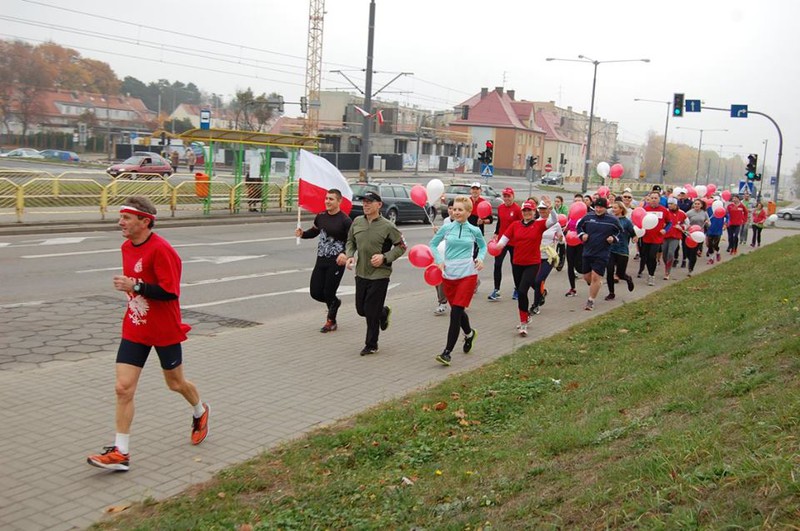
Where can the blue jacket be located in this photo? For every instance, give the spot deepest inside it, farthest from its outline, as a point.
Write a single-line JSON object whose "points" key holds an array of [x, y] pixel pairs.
{"points": [[715, 228], [621, 246], [598, 228], [460, 239]]}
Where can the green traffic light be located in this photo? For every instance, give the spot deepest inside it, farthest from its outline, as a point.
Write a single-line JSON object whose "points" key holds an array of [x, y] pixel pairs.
{"points": [[677, 112]]}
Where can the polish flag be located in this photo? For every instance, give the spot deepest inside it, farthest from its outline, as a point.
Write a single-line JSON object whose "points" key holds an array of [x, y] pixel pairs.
{"points": [[379, 114], [317, 176], [364, 113]]}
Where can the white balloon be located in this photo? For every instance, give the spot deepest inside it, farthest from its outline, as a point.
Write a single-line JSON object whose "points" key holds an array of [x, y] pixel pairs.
{"points": [[603, 169], [435, 189], [717, 204], [649, 221], [772, 219], [701, 190], [639, 231], [698, 236]]}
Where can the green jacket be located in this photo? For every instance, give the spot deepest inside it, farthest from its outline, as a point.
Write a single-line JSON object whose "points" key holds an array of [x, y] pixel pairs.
{"points": [[377, 237]]}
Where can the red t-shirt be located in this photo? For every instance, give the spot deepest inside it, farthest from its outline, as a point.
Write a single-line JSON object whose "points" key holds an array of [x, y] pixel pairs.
{"points": [[149, 321], [737, 215], [654, 235], [526, 240], [506, 215], [676, 231]]}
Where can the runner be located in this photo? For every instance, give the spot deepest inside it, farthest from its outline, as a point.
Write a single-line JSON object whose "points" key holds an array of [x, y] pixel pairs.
{"points": [[507, 213], [618, 261], [376, 243], [759, 218], [653, 238], [151, 278], [332, 227], [574, 254], [713, 235], [598, 230], [737, 216], [460, 273], [673, 237], [696, 216], [549, 255]]}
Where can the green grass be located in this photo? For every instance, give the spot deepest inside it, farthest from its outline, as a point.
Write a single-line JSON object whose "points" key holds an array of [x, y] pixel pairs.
{"points": [[681, 410]]}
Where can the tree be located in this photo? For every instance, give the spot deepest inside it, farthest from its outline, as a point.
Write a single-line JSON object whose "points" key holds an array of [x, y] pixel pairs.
{"points": [[27, 76]]}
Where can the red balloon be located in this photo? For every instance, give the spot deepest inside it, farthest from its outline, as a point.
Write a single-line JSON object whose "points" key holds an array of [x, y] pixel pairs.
{"points": [[573, 239], [562, 220], [719, 212], [637, 216], [695, 228], [690, 243], [433, 275], [484, 209], [420, 255], [603, 191], [419, 195], [577, 210], [493, 249], [616, 171], [711, 188], [691, 192], [726, 195]]}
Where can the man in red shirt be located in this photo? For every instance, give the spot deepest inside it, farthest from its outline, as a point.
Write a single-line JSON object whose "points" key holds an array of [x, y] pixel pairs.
{"points": [[151, 278], [737, 214], [673, 237], [653, 238], [507, 213]]}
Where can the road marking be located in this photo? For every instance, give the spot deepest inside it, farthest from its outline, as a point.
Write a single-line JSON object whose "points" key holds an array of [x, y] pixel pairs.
{"points": [[3, 244], [63, 241], [19, 304], [244, 277], [219, 260], [343, 290]]}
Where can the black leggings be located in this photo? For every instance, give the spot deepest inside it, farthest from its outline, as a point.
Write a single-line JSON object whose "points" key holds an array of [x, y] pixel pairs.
{"points": [[756, 236], [538, 289], [713, 245], [459, 320], [616, 263], [325, 279], [648, 257], [498, 265], [733, 237], [692, 255], [527, 278], [574, 263]]}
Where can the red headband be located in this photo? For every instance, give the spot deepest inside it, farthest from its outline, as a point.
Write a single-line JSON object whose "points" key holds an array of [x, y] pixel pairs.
{"points": [[136, 211]]}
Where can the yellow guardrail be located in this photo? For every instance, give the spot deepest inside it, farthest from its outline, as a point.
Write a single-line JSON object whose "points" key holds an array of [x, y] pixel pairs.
{"points": [[9, 196]]}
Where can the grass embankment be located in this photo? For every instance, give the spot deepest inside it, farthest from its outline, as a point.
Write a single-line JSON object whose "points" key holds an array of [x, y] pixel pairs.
{"points": [[680, 410]]}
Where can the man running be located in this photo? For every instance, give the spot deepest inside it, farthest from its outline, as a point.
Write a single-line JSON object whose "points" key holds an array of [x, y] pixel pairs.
{"points": [[598, 231], [332, 227], [507, 213], [151, 278]]}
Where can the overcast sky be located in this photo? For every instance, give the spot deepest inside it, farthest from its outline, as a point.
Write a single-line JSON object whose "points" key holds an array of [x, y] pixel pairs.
{"points": [[721, 52]]}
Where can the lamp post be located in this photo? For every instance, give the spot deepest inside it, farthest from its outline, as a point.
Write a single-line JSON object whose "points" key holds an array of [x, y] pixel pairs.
{"points": [[584, 59], [699, 149], [763, 169], [664, 147]]}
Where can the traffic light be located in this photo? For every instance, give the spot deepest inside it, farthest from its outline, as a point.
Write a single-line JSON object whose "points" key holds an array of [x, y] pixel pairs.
{"points": [[677, 105], [752, 164], [163, 139], [489, 152], [303, 104], [482, 156]]}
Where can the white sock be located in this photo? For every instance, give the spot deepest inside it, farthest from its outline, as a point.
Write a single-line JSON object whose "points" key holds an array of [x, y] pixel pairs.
{"points": [[122, 441], [198, 410], [591, 299]]}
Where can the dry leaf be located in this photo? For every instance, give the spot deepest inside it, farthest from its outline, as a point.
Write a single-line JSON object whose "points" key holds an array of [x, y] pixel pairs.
{"points": [[326, 472], [407, 481], [220, 495], [623, 330], [117, 508], [426, 408], [455, 396], [463, 422], [245, 527], [571, 386], [198, 459], [440, 406], [375, 443], [459, 414]]}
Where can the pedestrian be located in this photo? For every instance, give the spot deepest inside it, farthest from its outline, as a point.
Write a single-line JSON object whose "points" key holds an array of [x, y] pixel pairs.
{"points": [[441, 298], [759, 218], [474, 219], [696, 216], [716, 227], [685, 205], [151, 279], [674, 236], [744, 231], [737, 216], [561, 247], [653, 238], [598, 230], [574, 254], [459, 272], [191, 159], [618, 260], [332, 227], [174, 158], [526, 237], [549, 255], [507, 213], [373, 244]]}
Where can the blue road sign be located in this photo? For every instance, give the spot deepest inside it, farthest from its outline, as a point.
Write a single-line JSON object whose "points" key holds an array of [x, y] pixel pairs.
{"points": [[773, 180], [738, 111], [747, 186], [134, 135], [693, 106], [487, 170], [205, 119]]}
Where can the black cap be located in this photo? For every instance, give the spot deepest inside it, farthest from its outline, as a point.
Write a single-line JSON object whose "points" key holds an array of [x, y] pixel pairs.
{"points": [[601, 202], [371, 196], [656, 188]]}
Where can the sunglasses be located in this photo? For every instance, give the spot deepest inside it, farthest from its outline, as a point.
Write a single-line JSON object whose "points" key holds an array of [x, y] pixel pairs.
{"points": [[627, 197]]}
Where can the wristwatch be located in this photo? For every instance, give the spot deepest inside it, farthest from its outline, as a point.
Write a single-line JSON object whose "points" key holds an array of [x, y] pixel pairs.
{"points": [[137, 287]]}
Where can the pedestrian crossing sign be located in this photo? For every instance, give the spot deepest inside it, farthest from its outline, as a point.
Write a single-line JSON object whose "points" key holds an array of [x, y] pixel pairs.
{"points": [[746, 186], [487, 170]]}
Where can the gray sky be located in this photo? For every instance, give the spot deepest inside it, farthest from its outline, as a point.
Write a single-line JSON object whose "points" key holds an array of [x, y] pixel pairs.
{"points": [[721, 52]]}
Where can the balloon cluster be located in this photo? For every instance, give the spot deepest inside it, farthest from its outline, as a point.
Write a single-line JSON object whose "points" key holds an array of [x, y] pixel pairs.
{"points": [[430, 194], [605, 170], [421, 256]]}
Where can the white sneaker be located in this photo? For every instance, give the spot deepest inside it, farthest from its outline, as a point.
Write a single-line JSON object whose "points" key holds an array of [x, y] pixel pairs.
{"points": [[523, 329], [650, 280], [440, 310]]}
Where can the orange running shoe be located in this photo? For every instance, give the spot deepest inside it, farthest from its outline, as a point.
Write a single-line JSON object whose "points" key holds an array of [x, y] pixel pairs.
{"points": [[200, 426], [110, 459]]}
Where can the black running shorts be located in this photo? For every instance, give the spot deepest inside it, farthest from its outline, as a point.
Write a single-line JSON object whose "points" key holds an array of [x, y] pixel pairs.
{"points": [[136, 354]]}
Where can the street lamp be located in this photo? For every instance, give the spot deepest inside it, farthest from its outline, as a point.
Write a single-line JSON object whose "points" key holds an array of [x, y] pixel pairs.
{"points": [[666, 128], [699, 149], [584, 59]]}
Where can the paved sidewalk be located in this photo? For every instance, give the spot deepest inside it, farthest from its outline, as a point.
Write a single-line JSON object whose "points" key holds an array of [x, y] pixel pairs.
{"points": [[266, 385]]}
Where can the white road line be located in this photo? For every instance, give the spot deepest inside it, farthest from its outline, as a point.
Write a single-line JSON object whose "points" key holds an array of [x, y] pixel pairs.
{"points": [[19, 304], [343, 290], [243, 277]]}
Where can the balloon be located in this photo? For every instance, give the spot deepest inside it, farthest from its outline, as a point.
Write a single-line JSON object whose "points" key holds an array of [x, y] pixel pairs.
{"points": [[695, 228], [639, 231], [602, 169], [577, 210], [772, 219], [420, 255], [484, 209], [691, 192], [616, 171], [726, 195], [435, 189], [649, 221], [697, 237], [603, 191], [711, 188], [637, 215], [433, 275], [419, 195], [493, 249], [691, 243], [719, 212], [573, 239], [562, 220], [717, 204], [701, 190]]}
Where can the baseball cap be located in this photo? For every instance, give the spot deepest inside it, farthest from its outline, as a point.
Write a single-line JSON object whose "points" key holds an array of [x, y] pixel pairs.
{"points": [[601, 202], [508, 191], [528, 205], [475, 185], [672, 201], [656, 188], [626, 191], [542, 205], [371, 196]]}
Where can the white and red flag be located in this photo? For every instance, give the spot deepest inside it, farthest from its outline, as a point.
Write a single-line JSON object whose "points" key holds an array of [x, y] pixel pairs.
{"points": [[317, 176], [361, 111], [379, 114]]}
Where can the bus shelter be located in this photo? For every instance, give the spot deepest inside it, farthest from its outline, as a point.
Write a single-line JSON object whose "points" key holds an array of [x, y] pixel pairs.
{"points": [[240, 141]]}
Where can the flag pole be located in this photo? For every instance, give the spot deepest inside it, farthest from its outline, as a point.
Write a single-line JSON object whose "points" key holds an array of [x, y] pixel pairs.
{"points": [[298, 222]]}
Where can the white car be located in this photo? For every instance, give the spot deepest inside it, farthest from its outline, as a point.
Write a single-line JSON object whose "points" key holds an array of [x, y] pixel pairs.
{"points": [[23, 153], [789, 213]]}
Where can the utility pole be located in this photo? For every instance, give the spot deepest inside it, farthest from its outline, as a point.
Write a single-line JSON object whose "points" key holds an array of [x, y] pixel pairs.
{"points": [[363, 165]]}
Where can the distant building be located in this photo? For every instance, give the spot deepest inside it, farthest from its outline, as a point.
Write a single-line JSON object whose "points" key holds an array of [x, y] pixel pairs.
{"points": [[562, 153]]}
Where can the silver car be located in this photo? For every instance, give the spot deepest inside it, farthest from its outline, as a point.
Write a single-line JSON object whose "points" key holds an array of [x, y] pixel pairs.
{"points": [[789, 213]]}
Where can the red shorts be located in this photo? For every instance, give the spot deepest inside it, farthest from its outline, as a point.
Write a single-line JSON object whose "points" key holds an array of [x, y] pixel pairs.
{"points": [[459, 292]]}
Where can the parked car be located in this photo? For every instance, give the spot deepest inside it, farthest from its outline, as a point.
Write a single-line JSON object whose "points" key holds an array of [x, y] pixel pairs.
{"points": [[789, 213], [57, 154], [553, 177], [23, 153], [397, 204], [142, 164], [454, 189]]}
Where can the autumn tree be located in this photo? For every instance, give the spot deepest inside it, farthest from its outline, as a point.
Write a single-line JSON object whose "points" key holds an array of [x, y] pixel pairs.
{"points": [[23, 76]]}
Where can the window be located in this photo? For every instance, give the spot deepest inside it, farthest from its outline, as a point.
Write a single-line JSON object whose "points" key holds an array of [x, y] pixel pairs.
{"points": [[400, 191], [400, 146], [386, 191]]}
